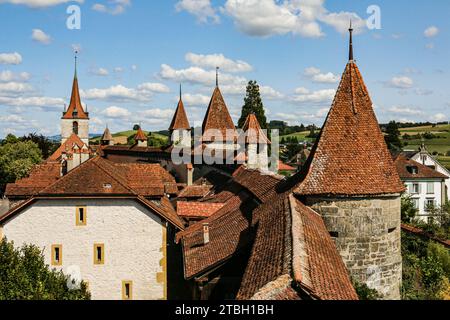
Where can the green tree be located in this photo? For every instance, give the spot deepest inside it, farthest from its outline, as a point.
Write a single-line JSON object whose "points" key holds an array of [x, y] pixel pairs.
{"points": [[136, 127], [409, 210], [47, 147], [253, 104], [392, 136], [25, 276], [17, 159]]}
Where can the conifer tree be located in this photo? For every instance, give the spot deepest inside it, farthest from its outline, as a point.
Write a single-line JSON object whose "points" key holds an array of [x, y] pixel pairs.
{"points": [[253, 104]]}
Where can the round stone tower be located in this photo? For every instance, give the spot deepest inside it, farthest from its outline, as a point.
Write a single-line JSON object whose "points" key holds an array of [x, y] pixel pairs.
{"points": [[350, 179]]}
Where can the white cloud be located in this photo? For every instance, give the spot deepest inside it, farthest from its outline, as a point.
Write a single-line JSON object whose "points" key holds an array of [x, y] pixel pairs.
{"points": [[197, 75], [439, 117], [201, 9], [157, 114], [400, 82], [46, 103], [218, 60], [317, 76], [270, 17], [195, 99], [102, 72], [423, 92], [270, 93], [10, 58], [429, 46], [143, 93], [39, 3], [114, 7], [8, 76], [303, 117], [118, 70], [154, 87], [14, 88], [431, 32], [405, 110], [115, 112], [134, 67], [304, 95], [40, 36]]}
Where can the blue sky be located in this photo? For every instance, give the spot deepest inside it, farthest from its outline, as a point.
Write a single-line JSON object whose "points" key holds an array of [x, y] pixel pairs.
{"points": [[134, 53]]}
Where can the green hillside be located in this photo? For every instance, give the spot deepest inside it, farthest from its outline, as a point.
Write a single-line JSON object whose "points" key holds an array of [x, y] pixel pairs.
{"points": [[436, 139], [155, 139]]}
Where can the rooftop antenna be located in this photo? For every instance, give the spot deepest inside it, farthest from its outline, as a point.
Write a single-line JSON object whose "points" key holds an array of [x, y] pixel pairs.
{"points": [[217, 76], [350, 54], [76, 57]]}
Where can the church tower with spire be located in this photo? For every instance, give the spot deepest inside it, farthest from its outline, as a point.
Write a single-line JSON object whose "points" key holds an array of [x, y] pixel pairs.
{"points": [[75, 120], [351, 180]]}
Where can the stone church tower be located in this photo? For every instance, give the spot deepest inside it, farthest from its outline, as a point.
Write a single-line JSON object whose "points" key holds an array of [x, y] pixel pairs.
{"points": [[75, 120], [350, 179]]}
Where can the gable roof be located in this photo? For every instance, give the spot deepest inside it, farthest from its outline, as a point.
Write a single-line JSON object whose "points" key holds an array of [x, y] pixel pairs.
{"points": [[217, 118], [350, 157], [253, 131], [423, 172], [197, 209], [75, 110], [180, 120], [68, 147], [99, 177]]}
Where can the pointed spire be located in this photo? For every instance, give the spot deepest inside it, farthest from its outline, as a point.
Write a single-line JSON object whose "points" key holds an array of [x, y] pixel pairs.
{"points": [[76, 53], [350, 54], [217, 76], [75, 109], [180, 92], [180, 120]]}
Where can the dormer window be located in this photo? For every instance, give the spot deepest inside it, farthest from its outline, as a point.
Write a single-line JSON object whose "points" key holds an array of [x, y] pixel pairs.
{"points": [[412, 169], [107, 186], [75, 127]]}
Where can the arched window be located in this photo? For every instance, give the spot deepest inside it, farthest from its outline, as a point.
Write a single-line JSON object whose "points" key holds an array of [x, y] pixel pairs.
{"points": [[75, 127]]}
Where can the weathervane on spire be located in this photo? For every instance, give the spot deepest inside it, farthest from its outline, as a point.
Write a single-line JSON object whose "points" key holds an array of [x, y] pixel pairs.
{"points": [[350, 54], [217, 76]]}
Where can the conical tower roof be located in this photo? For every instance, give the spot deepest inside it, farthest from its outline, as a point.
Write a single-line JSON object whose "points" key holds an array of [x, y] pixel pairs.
{"points": [[217, 118], [180, 120], [107, 135], [350, 157], [140, 135], [75, 110], [253, 130]]}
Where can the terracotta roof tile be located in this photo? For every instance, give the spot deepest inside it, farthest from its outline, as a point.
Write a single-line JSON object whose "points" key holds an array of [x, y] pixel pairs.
{"points": [[218, 119], [195, 191], [75, 110], [40, 177], [180, 120], [68, 147], [140, 135], [253, 131], [107, 136], [197, 209], [351, 157], [404, 168]]}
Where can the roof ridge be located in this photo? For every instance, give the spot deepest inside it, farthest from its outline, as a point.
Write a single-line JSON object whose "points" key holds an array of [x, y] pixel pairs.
{"points": [[123, 184]]}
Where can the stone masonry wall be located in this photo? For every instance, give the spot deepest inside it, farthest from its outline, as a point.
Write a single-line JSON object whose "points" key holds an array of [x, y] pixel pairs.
{"points": [[367, 234]]}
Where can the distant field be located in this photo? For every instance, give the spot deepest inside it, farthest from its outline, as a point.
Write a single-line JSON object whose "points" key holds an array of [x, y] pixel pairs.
{"points": [[301, 136], [440, 145], [132, 133]]}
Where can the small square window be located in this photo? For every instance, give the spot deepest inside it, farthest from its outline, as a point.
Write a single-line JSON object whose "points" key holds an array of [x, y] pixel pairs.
{"points": [[81, 216], [415, 188], [56, 255], [430, 187], [127, 290], [99, 253]]}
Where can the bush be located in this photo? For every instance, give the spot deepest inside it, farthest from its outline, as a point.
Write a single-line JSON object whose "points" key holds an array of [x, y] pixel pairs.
{"points": [[25, 276], [364, 292]]}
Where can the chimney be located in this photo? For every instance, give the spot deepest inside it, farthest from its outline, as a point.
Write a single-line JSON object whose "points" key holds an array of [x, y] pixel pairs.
{"points": [[205, 233]]}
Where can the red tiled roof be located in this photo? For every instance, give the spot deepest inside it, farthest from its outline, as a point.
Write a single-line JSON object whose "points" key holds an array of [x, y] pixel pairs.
{"points": [[261, 185], [68, 147], [421, 232], [197, 209], [324, 273], [351, 157], [217, 119], [99, 177], [253, 131], [75, 110], [285, 167], [140, 135], [180, 120], [422, 172], [195, 191], [40, 177]]}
